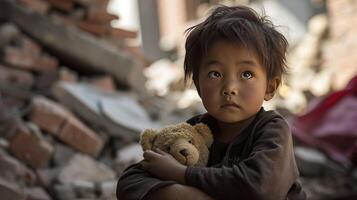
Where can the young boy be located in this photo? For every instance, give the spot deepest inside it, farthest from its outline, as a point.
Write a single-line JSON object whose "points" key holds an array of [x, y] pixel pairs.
{"points": [[236, 59]]}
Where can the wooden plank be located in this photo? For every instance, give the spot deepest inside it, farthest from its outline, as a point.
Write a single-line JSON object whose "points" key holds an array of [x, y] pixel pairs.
{"points": [[74, 47]]}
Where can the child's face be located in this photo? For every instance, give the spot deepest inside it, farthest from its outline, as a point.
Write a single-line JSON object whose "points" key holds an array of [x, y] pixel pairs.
{"points": [[232, 82]]}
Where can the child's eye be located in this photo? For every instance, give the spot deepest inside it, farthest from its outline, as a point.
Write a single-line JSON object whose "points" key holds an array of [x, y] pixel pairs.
{"points": [[214, 74], [247, 75]]}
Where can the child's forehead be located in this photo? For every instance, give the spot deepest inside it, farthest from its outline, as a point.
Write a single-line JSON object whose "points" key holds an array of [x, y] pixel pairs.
{"points": [[223, 50]]}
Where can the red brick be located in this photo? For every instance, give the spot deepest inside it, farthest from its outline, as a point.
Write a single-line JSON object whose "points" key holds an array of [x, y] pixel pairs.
{"points": [[65, 5], [28, 57], [97, 29], [121, 33], [31, 148], [39, 6], [85, 3], [19, 58], [30, 46], [45, 63], [100, 16], [48, 115], [16, 78], [80, 137], [54, 118]]}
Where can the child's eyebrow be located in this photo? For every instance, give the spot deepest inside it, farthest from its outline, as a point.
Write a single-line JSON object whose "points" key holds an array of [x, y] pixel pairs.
{"points": [[247, 62], [242, 62], [211, 62]]}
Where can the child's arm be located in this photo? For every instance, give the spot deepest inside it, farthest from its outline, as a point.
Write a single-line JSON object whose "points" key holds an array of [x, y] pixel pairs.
{"points": [[135, 183], [177, 192]]}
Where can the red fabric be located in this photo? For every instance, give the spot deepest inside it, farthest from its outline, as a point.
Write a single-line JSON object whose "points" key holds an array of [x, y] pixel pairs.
{"points": [[332, 125]]}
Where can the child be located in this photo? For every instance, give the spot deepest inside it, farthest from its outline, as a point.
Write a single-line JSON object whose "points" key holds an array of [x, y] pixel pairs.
{"points": [[236, 60]]}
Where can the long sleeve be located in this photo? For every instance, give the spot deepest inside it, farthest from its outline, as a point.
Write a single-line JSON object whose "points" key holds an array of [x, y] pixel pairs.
{"points": [[135, 183], [267, 172]]}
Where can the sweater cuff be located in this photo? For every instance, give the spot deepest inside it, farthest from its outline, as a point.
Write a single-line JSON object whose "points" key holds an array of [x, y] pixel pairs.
{"points": [[191, 176]]}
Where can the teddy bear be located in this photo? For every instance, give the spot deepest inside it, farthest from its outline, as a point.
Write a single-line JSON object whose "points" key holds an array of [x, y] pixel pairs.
{"points": [[188, 144]]}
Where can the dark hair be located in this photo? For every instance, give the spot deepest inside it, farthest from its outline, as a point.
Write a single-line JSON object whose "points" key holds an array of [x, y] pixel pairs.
{"points": [[244, 26]]}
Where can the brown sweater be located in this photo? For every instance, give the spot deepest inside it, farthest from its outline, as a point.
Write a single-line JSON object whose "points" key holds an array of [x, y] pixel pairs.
{"points": [[258, 164]]}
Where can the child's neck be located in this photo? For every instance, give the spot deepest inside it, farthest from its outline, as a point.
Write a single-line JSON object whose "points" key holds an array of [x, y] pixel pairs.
{"points": [[228, 131]]}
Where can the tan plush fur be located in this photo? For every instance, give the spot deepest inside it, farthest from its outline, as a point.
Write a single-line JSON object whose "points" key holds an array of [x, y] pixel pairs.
{"points": [[187, 144]]}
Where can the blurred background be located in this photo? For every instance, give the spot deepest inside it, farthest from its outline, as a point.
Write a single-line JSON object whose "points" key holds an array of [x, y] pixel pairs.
{"points": [[80, 79]]}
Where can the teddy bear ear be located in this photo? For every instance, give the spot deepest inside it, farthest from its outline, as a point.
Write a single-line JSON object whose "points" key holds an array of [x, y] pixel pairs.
{"points": [[147, 138], [205, 132]]}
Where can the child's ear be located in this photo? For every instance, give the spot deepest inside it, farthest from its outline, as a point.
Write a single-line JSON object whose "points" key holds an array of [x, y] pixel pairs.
{"points": [[272, 88], [195, 81]]}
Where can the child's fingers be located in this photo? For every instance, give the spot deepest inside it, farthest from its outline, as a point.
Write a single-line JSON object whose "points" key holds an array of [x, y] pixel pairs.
{"points": [[159, 151], [149, 155], [145, 164]]}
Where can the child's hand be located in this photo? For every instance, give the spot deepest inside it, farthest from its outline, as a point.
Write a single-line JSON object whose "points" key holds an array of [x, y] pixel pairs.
{"points": [[164, 166]]}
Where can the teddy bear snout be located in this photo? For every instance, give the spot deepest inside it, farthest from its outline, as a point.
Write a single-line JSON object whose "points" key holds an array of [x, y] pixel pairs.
{"points": [[184, 152]]}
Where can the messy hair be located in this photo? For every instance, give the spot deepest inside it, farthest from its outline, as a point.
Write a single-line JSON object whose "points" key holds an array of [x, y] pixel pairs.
{"points": [[241, 25]]}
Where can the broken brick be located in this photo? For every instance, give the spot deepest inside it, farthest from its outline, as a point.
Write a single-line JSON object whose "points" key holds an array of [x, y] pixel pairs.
{"points": [[19, 58], [80, 137], [16, 78], [94, 28], [48, 115], [31, 47], [64, 5], [54, 118], [100, 16], [121, 33], [31, 148], [39, 6], [45, 63]]}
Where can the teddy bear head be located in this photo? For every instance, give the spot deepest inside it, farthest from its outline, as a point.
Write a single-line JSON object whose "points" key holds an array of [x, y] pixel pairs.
{"points": [[186, 143]]}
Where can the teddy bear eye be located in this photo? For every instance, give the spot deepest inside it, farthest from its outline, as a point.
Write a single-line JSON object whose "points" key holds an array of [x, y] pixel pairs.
{"points": [[190, 141], [168, 148]]}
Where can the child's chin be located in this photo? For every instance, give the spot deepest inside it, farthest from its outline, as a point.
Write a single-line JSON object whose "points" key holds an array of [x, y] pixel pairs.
{"points": [[234, 118]]}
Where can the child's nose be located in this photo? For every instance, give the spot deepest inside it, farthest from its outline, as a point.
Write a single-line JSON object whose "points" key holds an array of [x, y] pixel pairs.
{"points": [[230, 88]]}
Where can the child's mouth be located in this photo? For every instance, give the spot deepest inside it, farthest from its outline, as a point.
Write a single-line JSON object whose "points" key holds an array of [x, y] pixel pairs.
{"points": [[230, 105]]}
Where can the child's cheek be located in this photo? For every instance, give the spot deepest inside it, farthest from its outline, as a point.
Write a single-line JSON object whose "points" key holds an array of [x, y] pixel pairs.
{"points": [[250, 92]]}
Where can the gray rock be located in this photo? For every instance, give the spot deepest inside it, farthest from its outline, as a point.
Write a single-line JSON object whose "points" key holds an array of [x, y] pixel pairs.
{"points": [[10, 191], [108, 189], [118, 113], [84, 168], [85, 189], [127, 156], [64, 191], [313, 163], [62, 154], [36, 193]]}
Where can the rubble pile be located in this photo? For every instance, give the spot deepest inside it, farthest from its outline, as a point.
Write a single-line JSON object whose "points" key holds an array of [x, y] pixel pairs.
{"points": [[90, 16], [70, 95]]}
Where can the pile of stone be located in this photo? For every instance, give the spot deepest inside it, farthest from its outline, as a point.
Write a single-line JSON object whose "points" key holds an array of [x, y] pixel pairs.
{"points": [[71, 100]]}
